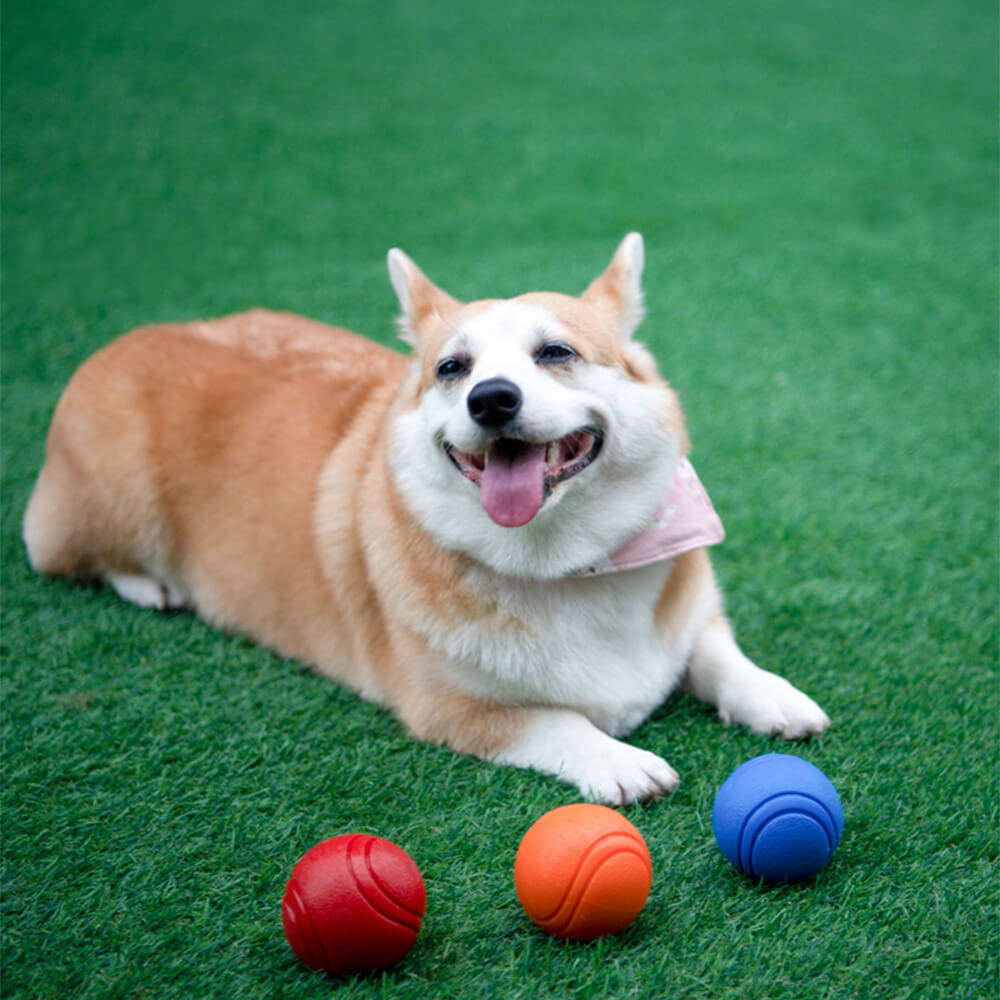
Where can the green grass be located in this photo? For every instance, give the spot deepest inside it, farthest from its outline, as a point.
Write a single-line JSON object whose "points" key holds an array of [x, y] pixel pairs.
{"points": [[817, 187]]}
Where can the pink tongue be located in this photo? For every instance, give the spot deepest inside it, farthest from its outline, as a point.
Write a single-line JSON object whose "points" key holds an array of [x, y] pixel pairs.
{"points": [[513, 484]]}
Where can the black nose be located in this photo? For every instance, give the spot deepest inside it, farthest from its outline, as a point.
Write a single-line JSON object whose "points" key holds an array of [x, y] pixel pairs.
{"points": [[494, 402]]}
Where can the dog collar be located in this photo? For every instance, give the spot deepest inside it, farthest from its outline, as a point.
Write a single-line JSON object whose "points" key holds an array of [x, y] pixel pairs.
{"points": [[685, 520]]}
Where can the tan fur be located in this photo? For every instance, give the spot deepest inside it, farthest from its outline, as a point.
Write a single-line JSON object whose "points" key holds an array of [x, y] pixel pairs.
{"points": [[243, 465], [690, 577], [196, 454]]}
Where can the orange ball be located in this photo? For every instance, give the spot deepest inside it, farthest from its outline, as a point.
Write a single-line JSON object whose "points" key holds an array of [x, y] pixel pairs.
{"points": [[583, 871]]}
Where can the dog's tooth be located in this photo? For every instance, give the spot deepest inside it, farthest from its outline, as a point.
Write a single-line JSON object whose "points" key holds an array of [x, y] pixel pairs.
{"points": [[553, 456]]}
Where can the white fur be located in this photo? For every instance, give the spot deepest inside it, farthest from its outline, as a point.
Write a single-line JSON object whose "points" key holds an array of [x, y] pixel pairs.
{"points": [[399, 274], [596, 638], [587, 516], [632, 254], [565, 744], [606, 668], [145, 591], [720, 673], [587, 655]]}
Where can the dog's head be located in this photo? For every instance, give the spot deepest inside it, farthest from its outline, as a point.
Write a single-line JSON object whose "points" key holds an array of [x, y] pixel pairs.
{"points": [[535, 434]]}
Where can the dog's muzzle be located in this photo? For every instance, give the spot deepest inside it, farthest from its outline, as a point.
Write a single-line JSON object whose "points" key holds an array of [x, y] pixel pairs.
{"points": [[515, 477]]}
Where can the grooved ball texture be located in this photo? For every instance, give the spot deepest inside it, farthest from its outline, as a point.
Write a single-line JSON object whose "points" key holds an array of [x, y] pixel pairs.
{"points": [[583, 871], [354, 903], [778, 818]]}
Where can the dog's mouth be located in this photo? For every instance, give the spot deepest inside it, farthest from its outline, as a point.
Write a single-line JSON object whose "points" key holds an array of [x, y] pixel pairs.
{"points": [[516, 477]]}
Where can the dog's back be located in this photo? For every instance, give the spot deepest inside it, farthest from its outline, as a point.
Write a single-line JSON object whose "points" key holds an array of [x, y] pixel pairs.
{"points": [[209, 438]]}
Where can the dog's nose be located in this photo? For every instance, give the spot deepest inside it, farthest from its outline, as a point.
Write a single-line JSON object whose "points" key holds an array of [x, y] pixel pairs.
{"points": [[494, 402]]}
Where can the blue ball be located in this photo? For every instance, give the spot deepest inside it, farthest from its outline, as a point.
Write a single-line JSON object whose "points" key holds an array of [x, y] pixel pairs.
{"points": [[778, 818]]}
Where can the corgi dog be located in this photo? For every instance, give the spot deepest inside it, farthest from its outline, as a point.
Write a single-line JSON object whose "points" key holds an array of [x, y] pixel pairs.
{"points": [[499, 536]]}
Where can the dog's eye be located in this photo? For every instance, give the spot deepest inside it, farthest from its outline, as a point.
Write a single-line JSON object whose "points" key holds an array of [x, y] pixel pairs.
{"points": [[555, 353], [451, 368]]}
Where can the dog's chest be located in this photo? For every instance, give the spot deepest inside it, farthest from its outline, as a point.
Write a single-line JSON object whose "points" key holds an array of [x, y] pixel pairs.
{"points": [[588, 644]]}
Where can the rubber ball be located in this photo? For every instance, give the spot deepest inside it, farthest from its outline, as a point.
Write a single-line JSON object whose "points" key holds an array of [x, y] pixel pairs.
{"points": [[353, 904], [583, 871], [778, 818]]}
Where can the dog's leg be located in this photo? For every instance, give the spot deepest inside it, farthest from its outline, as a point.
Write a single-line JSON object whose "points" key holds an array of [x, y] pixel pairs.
{"points": [[720, 674], [556, 741], [564, 743]]}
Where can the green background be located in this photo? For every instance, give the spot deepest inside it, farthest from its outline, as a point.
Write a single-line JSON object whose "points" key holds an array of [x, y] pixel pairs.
{"points": [[817, 186]]}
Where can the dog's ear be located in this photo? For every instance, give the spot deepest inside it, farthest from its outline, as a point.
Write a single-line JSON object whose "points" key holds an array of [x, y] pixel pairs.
{"points": [[618, 291], [423, 304]]}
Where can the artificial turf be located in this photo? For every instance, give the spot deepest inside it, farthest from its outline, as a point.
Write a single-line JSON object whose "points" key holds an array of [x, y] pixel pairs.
{"points": [[816, 183]]}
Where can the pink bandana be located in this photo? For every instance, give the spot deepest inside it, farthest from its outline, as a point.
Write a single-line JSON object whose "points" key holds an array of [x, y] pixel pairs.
{"points": [[685, 520]]}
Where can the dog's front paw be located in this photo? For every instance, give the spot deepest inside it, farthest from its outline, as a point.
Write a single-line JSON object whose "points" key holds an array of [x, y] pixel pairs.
{"points": [[569, 746], [625, 774], [767, 703]]}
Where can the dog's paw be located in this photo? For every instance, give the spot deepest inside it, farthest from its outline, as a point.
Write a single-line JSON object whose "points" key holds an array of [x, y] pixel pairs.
{"points": [[565, 744], [767, 703], [146, 591], [626, 775]]}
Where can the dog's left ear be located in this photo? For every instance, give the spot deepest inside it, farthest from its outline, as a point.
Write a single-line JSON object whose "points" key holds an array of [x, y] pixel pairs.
{"points": [[423, 304], [618, 291]]}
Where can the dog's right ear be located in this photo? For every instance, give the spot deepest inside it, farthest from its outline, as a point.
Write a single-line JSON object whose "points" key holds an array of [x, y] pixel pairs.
{"points": [[423, 304]]}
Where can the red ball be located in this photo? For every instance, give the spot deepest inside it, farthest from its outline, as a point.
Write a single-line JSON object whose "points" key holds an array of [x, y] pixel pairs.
{"points": [[354, 903], [583, 871]]}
